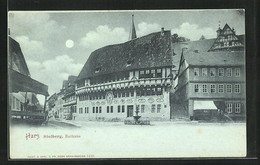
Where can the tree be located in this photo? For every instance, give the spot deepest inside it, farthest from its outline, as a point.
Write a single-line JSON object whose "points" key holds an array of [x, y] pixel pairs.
{"points": [[176, 38], [202, 37]]}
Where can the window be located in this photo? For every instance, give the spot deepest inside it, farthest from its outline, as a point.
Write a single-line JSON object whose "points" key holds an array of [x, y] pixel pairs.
{"points": [[159, 108], [96, 109], [153, 72], [147, 72], [196, 72], [100, 109], [213, 88], [85, 109], [159, 73], [212, 72], [159, 91], [132, 93], [138, 108], [237, 88], [229, 108], [237, 108], [123, 108], [107, 109], [229, 72], [196, 88], [17, 104], [220, 88], [204, 88], [93, 109], [237, 72], [229, 88], [142, 74], [111, 109], [220, 72], [204, 72], [142, 108], [118, 108], [153, 108]]}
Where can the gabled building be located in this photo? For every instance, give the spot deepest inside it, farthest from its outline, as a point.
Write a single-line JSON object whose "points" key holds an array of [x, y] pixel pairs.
{"points": [[23, 102], [118, 80], [210, 81], [70, 102], [227, 40]]}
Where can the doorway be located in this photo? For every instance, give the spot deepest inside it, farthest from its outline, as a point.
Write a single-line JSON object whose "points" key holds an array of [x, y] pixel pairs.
{"points": [[130, 109]]}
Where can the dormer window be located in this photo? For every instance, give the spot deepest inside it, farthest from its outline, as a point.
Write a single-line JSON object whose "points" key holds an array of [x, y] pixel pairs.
{"points": [[98, 68], [129, 62]]}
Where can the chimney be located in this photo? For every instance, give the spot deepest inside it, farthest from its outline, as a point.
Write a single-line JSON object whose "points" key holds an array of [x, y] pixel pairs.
{"points": [[162, 31]]}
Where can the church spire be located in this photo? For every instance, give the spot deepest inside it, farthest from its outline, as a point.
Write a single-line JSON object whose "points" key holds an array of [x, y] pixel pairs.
{"points": [[133, 32]]}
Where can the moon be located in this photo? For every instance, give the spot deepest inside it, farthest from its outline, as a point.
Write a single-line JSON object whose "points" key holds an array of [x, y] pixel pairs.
{"points": [[69, 43]]}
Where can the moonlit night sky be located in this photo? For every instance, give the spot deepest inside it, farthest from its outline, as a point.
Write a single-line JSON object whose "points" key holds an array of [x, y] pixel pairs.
{"points": [[57, 44]]}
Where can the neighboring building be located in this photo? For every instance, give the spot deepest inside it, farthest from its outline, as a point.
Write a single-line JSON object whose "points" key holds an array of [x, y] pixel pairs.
{"points": [[51, 104], [211, 79], [70, 103], [119, 79], [22, 88], [58, 105]]}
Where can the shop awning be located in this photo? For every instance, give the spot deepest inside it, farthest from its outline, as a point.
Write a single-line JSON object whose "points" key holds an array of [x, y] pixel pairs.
{"points": [[22, 83], [204, 105]]}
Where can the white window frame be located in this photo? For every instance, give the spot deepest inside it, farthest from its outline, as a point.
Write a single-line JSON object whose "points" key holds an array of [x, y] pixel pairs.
{"points": [[220, 88], [237, 88], [221, 70], [204, 72], [142, 108], [196, 86], [229, 88], [212, 70], [159, 107], [229, 70], [237, 107], [237, 72], [211, 85], [229, 107], [153, 106], [196, 70], [205, 90]]}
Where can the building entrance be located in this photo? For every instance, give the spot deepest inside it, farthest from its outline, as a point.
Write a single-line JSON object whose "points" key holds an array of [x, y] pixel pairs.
{"points": [[130, 109]]}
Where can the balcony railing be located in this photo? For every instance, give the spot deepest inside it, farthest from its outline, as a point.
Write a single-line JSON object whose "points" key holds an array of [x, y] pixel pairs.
{"points": [[125, 84]]}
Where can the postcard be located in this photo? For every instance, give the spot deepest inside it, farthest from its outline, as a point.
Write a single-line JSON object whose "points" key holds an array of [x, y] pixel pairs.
{"points": [[127, 84]]}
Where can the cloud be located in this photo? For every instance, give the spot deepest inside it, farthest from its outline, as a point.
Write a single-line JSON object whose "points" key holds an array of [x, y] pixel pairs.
{"points": [[53, 72], [31, 49], [36, 25], [193, 31], [103, 36], [146, 28]]}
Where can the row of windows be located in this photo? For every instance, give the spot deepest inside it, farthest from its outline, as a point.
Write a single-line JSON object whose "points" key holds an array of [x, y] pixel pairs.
{"points": [[121, 109], [142, 91], [150, 73], [212, 89], [70, 98], [212, 72], [237, 107]]}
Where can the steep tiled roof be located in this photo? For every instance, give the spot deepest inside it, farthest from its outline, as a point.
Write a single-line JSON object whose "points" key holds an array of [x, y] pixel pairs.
{"points": [[193, 46], [16, 58], [221, 58], [153, 50], [200, 46]]}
